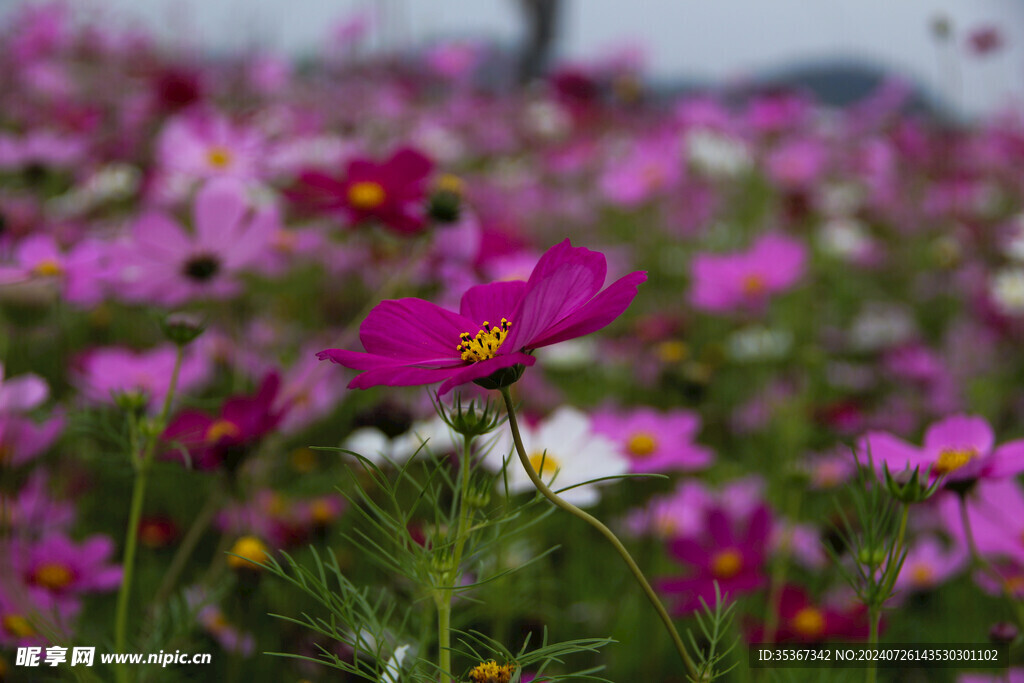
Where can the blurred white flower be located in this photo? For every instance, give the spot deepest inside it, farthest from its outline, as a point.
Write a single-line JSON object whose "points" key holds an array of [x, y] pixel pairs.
{"points": [[716, 154], [1007, 290]]}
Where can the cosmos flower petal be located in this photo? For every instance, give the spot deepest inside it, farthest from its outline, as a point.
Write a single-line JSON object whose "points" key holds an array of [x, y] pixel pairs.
{"points": [[492, 302], [564, 279], [401, 376], [1008, 460], [414, 330], [960, 432], [219, 208], [484, 369], [595, 314]]}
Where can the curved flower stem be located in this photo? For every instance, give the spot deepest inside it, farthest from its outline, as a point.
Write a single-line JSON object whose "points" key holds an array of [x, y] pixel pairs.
{"points": [[188, 544], [142, 467], [604, 530], [443, 598]]}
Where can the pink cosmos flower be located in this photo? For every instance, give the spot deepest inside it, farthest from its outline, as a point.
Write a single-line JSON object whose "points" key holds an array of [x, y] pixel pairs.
{"points": [[22, 439], [392, 192], [656, 441], [57, 567], [929, 564], [805, 621], [106, 372], [201, 146], [962, 447], [995, 510], [730, 550], [650, 169], [168, 265], [410, 341], [746, 279], [31, 512], [22, 393], [222, 439], [77, 271]]}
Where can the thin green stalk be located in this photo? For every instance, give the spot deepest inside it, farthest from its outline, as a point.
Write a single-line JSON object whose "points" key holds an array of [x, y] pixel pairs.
{"points": [[604, 530], [874, 616], [451, 574], [444, 635], [188, 544], [142, 467]]}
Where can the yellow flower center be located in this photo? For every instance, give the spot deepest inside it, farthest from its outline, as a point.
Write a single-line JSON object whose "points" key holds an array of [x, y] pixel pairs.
{"points": [[249, 549], [220, 429], [641, 444], [951, 459], [219, 157], [485, 344], [52, 575], [923, 575], [366, 195], [18, 626], [726, 563], [321, 511], [808, 622], [492, 672], [48, 268], [544, 463], [753, 284], [671, 351]]}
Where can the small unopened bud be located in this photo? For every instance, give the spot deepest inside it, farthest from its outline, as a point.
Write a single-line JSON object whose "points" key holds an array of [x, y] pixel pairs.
{"points": [[182, 328], [942, 27], [500, 379], [133, 401], [871, 557], [909, 486], [1002, 632], [445, 204], [470, 420]]}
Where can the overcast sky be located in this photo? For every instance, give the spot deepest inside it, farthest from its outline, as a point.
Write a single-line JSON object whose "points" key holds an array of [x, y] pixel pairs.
{"points": [[705, 39]]}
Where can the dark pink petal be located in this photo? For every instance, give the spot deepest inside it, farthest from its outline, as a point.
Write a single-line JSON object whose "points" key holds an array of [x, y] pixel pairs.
{"points": [[408, 166], [400, 376], [219, 208], [689, 551], [564, 279], [358, 360], [884, 448], [414, 331], [595, 314], [492, 302], [484, 369]]}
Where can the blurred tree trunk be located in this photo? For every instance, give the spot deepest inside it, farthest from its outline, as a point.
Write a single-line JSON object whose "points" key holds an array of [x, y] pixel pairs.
{"points": [[542, 28]]}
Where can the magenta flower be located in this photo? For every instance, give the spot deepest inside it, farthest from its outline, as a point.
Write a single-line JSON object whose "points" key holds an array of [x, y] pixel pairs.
{"points": [[746, 279], [392, 192], [76, 272], [22, 393], [410, 341], [962, 447], [803, 620], [208, 145], [22, 439], [730, 550], [656, 441], [213, 440], [929, 564], [31, 512]]}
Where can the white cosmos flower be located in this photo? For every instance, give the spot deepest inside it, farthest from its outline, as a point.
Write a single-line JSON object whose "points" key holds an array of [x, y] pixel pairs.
{"points": [[571, 454]]}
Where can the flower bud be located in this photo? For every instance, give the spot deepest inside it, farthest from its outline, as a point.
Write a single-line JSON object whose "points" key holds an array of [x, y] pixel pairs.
{"points": [[502, 378], [470, 421], [133, 401], [1002, 632], [182, 328], [913, 489], [246, 551], [445, 203]]}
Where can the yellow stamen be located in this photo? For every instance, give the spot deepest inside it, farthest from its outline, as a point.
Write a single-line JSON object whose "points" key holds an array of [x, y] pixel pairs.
{"points": [[366, 195], [808, 622], [219, 157], [726, 563], [753, 284], [321, 511], [18, 626], [641, 444], [492, 672], [486, 342], [52, 575], [220, 429], [303, 460], [249, 549], [544, 463], [953, 459], [48, 268], [923, 575]]}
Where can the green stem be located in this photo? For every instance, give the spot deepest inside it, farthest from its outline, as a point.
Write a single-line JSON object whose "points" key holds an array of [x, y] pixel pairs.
{"points": [[600, 527], [142, 467], [188, 544], [874, 616], [444, 635]]}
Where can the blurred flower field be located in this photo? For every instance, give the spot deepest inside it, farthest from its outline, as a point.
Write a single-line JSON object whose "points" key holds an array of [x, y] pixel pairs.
{"points": [[286, 349]]}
